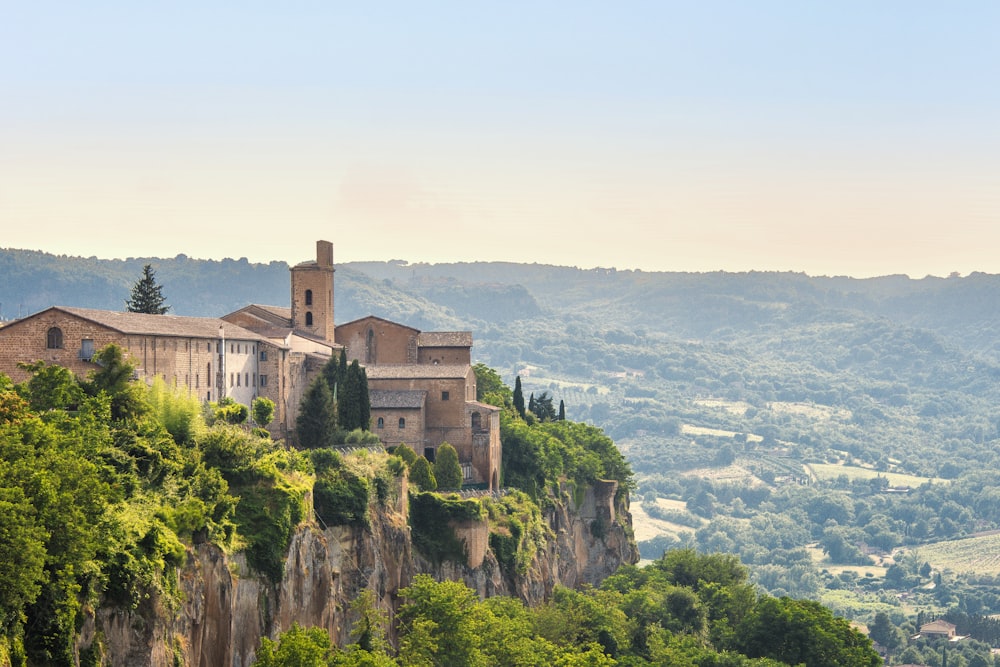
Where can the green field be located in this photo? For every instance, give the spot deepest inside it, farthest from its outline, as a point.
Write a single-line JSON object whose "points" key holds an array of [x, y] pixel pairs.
{"points": [[976, 555], [828, 471]]}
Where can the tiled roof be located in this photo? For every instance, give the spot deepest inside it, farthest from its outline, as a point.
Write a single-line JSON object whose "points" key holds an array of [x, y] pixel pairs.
{"points": [[380, 319], [161, 325], [276, 312], [483, 406], [397, 399], [416, 371], [445, 339]]}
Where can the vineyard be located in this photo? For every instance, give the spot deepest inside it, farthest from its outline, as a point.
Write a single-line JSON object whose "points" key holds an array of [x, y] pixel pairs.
{"points": [[973, 555]]}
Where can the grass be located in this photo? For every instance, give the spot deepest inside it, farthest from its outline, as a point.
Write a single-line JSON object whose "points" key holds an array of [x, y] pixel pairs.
{"points": [[828, 471]]}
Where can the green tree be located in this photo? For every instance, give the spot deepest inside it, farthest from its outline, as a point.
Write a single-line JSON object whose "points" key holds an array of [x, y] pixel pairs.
{"points": [[114, 377], [562, 411], [297, 647], [543, 407], [518, 397], [147, 296], [316, 425], [51, 387], [263, 411], [803, 632], [353, 400], [422, 474], [447, 469], [440, 622], [490, 388]]}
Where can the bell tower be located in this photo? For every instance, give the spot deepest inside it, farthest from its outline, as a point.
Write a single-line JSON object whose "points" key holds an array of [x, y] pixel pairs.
{"points": [[312, 294]]}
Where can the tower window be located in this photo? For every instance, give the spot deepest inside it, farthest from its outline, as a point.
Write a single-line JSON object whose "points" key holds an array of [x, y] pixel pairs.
{"points": [[445, 396], [381, 423], [54, 339], [402, 422], [309, 319], [309, 297]]}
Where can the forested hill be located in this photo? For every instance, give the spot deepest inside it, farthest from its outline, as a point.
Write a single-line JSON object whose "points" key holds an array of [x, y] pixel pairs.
{"points": [[913, 362]]}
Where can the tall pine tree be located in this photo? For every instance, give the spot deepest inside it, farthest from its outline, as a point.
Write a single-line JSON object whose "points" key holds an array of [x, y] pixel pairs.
{"points": [[147, 296]]}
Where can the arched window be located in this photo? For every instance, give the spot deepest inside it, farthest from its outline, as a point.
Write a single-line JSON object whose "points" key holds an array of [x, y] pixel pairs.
{"points": [[309, 297], [381, 423], [54, 339], [477, 421], [309, 319], [402, 422]]}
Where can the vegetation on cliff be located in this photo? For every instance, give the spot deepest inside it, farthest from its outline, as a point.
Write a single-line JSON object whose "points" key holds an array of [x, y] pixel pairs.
{"points": [[684, 610]]}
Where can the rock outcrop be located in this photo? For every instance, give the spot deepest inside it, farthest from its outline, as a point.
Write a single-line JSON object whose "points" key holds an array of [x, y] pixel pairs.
{"points": [[225, 608]]}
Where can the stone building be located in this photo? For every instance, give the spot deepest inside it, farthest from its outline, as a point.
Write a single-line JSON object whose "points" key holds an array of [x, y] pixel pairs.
{"points": [[422, 386]]}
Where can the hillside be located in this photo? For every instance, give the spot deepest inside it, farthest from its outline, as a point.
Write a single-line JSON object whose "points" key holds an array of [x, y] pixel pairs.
{"points": [[690, 373]]}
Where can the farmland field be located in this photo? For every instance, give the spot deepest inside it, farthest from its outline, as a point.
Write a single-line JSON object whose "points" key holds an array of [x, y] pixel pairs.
{"points": [[827, 471], [977, 555]]}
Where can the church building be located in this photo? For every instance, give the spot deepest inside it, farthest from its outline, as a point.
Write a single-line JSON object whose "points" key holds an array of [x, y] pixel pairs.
{"points": [[421, 384]]}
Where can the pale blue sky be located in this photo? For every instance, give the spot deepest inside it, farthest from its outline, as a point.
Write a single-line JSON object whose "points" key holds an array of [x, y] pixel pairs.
{"points": [[855, 138]]}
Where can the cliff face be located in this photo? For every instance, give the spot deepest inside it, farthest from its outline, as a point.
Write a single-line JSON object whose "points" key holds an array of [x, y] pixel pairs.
{"points": [[226, 608]]}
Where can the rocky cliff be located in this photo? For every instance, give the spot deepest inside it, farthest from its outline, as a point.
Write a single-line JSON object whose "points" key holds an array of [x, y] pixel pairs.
{"points": [[225, 608]]}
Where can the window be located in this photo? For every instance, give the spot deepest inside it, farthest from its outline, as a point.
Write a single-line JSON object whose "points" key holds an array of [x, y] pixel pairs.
{"points": [[477, 421], [445, 395], [263, 380], [209, 346], [309, 297], [208, 375], [231, 348], [246, 379], [429, 454], [197, 381], [230, 379], [402, 422], [238, 380], [309, 319], [255, 379], [263, 355], [53, 339], [87, 349], [381, 423]]}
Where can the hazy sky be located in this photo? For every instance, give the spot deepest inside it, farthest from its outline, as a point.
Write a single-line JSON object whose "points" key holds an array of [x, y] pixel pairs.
{"points": [[847, 137]]}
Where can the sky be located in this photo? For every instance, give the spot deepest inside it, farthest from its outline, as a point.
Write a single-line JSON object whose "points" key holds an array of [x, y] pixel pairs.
{"points": [[835, 138]]}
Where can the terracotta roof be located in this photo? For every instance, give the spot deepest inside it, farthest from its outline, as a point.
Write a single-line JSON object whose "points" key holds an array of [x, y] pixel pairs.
{"points": [[397, 399], [483, 406], [380, 319], [416, 371], [445, 339], [161, 325], [278, 314]]}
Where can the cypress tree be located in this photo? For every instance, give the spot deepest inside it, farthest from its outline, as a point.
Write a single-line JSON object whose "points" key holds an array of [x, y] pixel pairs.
{"points": [[353, 400], [422, 475], [518, 399], [316, 424], [562, 411], [147, 296], [447, 469], [532, 407]]}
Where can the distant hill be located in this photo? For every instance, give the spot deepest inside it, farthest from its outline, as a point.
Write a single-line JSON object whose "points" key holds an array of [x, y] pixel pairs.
{"points": [[915, 362]]}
